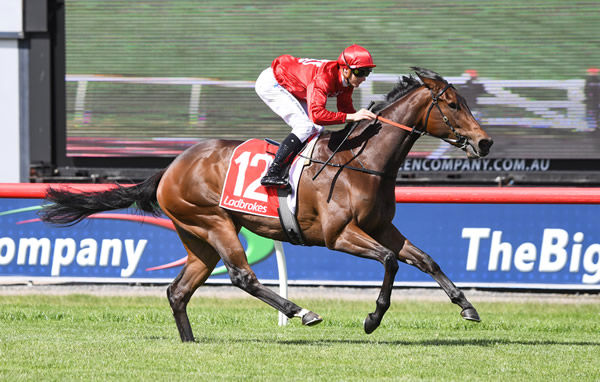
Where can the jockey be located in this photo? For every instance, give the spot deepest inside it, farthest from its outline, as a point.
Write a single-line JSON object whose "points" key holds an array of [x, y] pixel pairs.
{"points": [[296, 89]]}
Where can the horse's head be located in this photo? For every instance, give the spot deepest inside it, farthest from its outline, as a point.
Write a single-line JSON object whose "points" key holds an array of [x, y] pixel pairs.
{"points": [[448, 116]]}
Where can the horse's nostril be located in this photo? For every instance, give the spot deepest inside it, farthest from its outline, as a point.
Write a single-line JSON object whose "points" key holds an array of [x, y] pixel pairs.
{"points": [[485, 144]]}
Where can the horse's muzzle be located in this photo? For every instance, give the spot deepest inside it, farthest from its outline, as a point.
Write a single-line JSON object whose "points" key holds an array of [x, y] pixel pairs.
{"points": [[484, 146]]}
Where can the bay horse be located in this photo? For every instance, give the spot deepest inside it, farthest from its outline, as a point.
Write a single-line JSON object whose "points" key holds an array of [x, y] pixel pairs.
{"points": [[349, 207]]}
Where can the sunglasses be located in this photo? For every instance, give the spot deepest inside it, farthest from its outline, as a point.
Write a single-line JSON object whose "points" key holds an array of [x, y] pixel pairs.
{"points": [[362, 72]]}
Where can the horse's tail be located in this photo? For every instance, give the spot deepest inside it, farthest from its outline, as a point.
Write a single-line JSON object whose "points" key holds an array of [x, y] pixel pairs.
{"points": [[69, 208]]}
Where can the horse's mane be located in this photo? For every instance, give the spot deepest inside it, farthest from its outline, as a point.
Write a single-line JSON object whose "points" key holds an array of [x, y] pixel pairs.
{"points": [[406, 85]]}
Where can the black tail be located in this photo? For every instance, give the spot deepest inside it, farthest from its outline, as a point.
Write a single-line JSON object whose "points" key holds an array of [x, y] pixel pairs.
{"points": [[70, 208]]}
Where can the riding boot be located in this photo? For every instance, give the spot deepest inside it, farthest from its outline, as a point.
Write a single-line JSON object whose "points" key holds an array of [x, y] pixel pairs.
{"points": [[277, 173]]}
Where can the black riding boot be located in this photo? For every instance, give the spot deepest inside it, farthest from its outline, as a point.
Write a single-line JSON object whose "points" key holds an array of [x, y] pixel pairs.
{"points": [[277, 173]]}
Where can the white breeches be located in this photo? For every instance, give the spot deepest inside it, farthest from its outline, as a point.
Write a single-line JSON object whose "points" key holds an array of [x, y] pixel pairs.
{"points": [[293, 111]]}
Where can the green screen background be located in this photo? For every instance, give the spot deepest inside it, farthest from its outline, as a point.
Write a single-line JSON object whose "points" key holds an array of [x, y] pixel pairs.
{"points": [[235, 40]]}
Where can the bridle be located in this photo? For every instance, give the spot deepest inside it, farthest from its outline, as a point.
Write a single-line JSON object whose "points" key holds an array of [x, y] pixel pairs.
{"points": [[460, 141]]}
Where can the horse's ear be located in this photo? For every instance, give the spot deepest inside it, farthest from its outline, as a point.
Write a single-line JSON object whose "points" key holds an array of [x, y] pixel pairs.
{"points": [[430, 79]]}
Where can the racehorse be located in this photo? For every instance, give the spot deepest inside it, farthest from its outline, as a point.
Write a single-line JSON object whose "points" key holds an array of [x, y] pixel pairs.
{"points": [[349, 207]]}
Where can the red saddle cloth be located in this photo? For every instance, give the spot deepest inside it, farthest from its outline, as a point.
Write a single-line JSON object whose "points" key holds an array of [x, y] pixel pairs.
{"points": [[242, 190]]}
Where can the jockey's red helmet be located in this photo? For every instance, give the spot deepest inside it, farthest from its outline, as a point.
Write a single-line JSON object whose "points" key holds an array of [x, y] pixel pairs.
{"points": [[355, 56]]}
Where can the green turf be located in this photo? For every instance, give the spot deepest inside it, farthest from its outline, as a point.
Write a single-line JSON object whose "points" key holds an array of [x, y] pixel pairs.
{"points": [[81, 337]]}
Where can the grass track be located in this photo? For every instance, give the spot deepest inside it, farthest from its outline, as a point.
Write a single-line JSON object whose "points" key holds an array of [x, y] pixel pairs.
{"points": [[124, 338]]}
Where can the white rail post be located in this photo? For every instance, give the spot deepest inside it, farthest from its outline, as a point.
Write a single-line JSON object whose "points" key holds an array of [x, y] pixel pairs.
{"points": [[80, 102], [193, 113], [283, 280]]}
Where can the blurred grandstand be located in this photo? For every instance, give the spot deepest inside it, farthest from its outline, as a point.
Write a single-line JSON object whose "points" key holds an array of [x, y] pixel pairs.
{"points": [[146, 79]]}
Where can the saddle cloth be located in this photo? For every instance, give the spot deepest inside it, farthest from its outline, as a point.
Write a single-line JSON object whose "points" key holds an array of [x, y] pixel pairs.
{"points": [[242, 190]]}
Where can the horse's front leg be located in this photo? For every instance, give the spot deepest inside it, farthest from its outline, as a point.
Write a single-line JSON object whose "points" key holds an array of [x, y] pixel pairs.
{"points": [[355, 241], [418, 258], [410, 254]]}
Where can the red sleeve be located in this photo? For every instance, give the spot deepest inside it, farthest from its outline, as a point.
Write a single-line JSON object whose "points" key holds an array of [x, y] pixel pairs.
{"points": [[344, 102], [316, 98]]}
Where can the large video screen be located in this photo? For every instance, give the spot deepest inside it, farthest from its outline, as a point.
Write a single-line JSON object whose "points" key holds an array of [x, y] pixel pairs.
{"points": [[150, 78]]}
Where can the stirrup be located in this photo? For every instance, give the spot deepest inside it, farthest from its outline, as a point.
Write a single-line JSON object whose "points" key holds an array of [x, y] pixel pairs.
{"points": [[275, 176], [274, 181]]}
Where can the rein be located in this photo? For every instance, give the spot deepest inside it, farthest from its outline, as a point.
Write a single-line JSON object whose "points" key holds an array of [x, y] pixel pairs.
{"points": [[365, 170], [401, 126]]}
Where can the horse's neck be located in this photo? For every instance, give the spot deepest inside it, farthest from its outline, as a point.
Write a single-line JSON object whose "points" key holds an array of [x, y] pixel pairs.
{"points": [[392, 144]]}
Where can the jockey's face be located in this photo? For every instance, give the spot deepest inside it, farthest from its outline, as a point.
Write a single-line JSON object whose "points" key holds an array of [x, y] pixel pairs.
{"points": [[351, 78]]}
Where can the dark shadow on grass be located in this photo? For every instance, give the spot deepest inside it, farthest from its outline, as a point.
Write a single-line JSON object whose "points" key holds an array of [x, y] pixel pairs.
{"points": [[433, 342], [157, 338]]}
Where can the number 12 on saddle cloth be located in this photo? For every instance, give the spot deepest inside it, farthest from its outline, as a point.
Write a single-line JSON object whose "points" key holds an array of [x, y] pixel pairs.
{"points": [[242, 190]]}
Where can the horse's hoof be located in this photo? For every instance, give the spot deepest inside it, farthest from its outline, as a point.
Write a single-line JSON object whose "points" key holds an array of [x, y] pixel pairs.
{"points": [[370, 324], [470, 314], [311, 318]]}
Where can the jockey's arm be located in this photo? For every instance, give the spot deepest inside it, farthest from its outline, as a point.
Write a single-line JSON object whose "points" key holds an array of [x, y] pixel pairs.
{"points": [[344, 102], [316, 99]]}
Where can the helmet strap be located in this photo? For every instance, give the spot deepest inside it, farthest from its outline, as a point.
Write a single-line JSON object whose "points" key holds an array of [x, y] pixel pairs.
{"points": [[346, 73]]}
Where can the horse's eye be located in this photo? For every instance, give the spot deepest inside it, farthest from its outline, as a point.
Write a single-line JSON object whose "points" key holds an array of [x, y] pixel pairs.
{"points": [[452, 105]]}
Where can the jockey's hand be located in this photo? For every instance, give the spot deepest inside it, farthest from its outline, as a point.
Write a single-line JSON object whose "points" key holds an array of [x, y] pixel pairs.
{"points": [[360, 115]]}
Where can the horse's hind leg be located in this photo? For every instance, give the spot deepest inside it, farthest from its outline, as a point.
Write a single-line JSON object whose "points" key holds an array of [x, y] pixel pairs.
{"points": [[410, 254], [202, 259], [243, 277], [223, 238]]}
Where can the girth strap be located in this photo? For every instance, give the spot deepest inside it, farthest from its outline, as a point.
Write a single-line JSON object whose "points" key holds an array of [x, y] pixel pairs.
{"points": [[288, 220]]}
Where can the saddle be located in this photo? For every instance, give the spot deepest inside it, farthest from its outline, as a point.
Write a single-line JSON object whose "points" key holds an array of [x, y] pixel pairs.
{"points": [[287, 216], [243, 192]]}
